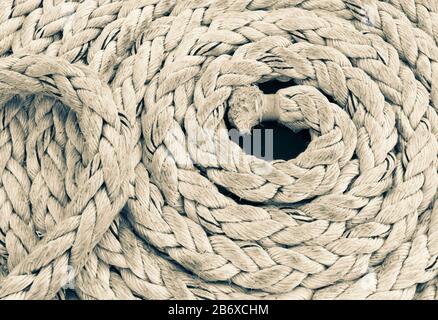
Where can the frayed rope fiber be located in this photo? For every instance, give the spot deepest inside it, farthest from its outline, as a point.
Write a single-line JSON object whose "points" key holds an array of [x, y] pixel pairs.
{"points": [[119, 180]]}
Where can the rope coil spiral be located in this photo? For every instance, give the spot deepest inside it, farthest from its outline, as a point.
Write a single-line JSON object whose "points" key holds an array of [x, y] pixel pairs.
{"points": [[117, 169]]}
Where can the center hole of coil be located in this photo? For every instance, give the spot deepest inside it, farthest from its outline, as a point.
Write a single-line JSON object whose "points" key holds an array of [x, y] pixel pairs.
{"points": [[271, 140]]}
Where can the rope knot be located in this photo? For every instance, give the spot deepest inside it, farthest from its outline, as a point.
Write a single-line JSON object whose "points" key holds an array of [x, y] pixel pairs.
{"points": [[249, 106]]}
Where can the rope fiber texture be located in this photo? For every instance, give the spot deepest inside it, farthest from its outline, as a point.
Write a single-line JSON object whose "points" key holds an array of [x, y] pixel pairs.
{"points": [[118, 178]]}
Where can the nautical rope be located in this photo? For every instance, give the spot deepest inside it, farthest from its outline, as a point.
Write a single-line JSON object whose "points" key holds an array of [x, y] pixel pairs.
{"points": [[118, 178]]}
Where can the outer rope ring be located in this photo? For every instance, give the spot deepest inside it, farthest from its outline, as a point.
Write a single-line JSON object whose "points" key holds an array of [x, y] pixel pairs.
{"points": [[100, 175], [371, 199]]}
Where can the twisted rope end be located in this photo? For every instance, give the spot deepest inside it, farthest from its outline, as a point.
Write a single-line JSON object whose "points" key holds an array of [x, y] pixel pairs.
{"points": [[249, 106]]}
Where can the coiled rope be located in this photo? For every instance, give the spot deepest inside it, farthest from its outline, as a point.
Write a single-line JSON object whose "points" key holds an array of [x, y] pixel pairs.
{"points": [[116, 166]]}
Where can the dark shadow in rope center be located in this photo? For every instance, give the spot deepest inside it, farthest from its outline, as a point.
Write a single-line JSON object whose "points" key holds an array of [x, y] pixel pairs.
{"points": [[272, 86], [276, 142], [271, 140], [268, 140]]}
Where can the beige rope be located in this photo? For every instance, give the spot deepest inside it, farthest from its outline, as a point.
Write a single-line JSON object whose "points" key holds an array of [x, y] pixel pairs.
{"points": [[115, 154]]}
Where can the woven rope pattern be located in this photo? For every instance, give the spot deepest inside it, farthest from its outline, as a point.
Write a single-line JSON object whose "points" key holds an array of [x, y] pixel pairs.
{"points": [[116, 166]]}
